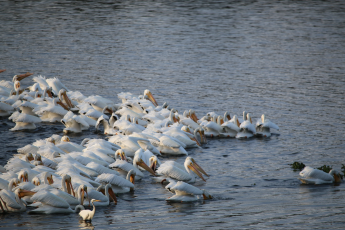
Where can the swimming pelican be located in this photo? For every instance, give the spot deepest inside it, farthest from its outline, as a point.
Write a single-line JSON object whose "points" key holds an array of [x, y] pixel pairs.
{"points": [[12, 201], [87, 215], [264, 126], [103, 194], [74, 124], [171, 146], [23, 121], [150, 97], [108, 129], [6, 109], [247, 128], [182, 173], [51, 204], [124, 167], [52, 113], [231, 127], [310, 175], [118, 183], [185, 192]]}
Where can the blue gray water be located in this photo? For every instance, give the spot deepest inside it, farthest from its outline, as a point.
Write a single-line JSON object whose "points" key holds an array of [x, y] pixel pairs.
{"points": [[282, 58]]}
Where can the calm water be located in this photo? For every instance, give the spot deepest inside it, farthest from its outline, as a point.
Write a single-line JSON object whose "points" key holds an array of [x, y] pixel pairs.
{"points": [[285, 59]]}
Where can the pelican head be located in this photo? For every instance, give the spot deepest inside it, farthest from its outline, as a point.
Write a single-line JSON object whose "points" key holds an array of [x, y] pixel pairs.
{"points": [[227, 116], [206, 194], [120, 154], [150, 96], [263, 118], [51, 140], [48, 177], [138, 161], [21, 192], [336, 176], [16, 85], [29, 156], [153, 163], [201, 132], [21, 76], [68, 181], [23, 176], [220, 120], [65, 139], [193, 116], [81, 192], [63, 96], [192, 165], [236, 121], [36, 181], [111, 193], [131, 177], [186, 129]]}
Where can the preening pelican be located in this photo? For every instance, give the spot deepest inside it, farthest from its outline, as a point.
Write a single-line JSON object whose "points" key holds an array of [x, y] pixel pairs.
{"points": [[310, 175], [87, 215]]}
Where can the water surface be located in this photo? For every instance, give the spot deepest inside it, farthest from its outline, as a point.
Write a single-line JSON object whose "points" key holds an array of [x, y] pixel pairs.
{"points": [[285, 59]]}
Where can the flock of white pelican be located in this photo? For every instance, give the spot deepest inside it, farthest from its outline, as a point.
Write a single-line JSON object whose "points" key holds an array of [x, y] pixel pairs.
{"points": [[56, 175]]}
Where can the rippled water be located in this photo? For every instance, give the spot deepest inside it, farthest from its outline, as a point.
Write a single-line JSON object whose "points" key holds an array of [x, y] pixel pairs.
{"points": [[285, 59]]}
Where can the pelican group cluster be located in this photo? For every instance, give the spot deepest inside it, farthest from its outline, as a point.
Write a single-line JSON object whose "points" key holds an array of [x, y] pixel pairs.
{"points": [[56, 175]]}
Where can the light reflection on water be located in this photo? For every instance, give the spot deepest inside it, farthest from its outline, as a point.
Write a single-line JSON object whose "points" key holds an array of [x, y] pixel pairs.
{"points": [[284, 59]]}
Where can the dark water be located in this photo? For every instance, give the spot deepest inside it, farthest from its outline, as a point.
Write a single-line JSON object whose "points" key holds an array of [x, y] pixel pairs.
{"points": [[285, 59]]}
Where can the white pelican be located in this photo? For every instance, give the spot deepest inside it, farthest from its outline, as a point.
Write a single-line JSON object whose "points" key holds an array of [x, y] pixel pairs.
{"points": [[128, 144], [176, 171], [100, 169], [213, 128], [6, 109], [108, 129], [74, 124], [170, 146], [27, 107], [67, 146], [103, 194], [124, 167], [186, 137], [52, 113], [12, 201], [87, 215], [98, 102], [185, 192], [51, 204], [247, 128], [264, 126], [124, 112], [310, 175], [231, 127], [23, 121], [150, 97], [118, 183], [56, 85]]}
